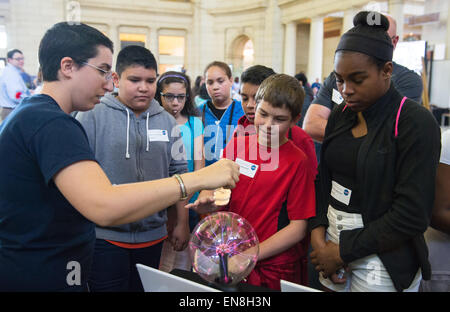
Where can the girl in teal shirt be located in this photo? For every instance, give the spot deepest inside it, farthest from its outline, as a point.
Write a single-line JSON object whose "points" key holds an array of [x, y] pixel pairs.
{"points": [[174, 94]]}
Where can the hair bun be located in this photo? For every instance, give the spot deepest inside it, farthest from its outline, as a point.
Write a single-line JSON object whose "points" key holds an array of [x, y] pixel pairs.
{"points": [[371, 19]]}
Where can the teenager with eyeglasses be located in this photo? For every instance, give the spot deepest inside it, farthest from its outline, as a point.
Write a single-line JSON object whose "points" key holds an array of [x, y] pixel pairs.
{"points": [[132, 138], [13, 88], [53, 189], [174, 93]]}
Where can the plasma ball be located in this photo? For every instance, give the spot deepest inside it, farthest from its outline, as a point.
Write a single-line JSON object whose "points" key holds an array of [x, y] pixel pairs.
{"points": [[224, 248]]}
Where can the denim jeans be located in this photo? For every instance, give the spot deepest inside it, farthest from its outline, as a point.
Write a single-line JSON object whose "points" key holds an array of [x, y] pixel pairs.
{"points": [[114, 268]]}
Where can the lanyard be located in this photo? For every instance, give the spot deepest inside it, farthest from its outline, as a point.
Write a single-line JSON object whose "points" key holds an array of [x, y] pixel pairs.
{"points": [[229, 121]]}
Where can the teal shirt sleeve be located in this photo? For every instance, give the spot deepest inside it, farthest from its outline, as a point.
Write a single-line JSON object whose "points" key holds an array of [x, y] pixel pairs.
{"points": [[199, 129]]}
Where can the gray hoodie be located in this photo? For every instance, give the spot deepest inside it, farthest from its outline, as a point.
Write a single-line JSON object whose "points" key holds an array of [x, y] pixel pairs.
{"points": [[132, 149]]}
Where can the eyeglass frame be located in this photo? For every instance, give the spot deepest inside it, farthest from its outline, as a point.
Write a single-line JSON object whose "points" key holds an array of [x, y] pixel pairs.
{"points": [[174, 96], [107, 74]]}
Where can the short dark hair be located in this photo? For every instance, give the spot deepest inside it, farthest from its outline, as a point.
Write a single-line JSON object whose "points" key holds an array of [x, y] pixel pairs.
{"points": [[169, 77], [219, 64], [134, 55], [256, 74], [196, 87], [302, 77], [282, 90], [12, 52], [77, 41]]}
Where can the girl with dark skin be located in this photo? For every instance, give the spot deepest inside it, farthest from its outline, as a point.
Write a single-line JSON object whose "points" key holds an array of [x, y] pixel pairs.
{"points": [[375, 187]]}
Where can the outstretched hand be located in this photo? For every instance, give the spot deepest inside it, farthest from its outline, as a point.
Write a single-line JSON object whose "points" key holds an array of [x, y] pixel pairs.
{"points": [[203, 205], [223, 173]]}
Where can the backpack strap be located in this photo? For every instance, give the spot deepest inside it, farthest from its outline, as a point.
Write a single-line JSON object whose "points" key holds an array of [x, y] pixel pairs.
{"points": [[398, 115]]}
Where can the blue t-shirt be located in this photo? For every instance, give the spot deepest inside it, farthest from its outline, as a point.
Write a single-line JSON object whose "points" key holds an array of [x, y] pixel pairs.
{"points": [[45, 243], [219, 132]]}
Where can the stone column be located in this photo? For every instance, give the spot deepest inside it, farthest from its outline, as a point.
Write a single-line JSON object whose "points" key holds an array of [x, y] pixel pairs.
{"points": [[203, 37], [347, 22], [153, 44], [290, 44], [272, 40], [315, 49], [396, 10], [447, 45], [114, 36]]}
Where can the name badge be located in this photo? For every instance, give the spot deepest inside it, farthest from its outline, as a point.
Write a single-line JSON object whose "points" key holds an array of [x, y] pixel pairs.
{"points": [[155, 135], [247, 168], [337, 97], [340, 193]]}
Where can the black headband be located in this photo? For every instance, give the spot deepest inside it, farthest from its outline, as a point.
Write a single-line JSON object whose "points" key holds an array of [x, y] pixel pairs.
{"points": [[379, 49], [368, 38]]}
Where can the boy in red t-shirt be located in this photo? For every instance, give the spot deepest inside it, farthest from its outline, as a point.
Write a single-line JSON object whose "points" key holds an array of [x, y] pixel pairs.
{"points": [[251, 79], [275, 192]]}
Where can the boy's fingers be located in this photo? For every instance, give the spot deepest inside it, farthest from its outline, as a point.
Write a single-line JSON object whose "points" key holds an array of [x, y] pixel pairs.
{"points": [[189, 206]]}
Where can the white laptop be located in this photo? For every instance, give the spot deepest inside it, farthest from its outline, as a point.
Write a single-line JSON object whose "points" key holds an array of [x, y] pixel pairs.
{"points": [[154, 280], [292, 287]]}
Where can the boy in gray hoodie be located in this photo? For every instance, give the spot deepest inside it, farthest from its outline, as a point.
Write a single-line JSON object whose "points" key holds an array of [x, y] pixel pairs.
{"points": [[130, 134]]}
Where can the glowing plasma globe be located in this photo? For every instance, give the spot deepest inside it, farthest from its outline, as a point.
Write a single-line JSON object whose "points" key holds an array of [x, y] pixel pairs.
{"points": [[224, 248]]}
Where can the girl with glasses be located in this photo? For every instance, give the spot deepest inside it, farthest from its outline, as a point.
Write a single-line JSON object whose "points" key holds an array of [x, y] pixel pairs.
{"points": [[174, 94]]}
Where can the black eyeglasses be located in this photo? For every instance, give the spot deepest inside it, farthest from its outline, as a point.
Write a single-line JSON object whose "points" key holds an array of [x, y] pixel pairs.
{"points": [[170, 97]]}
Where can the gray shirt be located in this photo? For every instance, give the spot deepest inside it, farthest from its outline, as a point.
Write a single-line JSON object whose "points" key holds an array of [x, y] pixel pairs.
{"points": [[133, 149], [406, 81]]}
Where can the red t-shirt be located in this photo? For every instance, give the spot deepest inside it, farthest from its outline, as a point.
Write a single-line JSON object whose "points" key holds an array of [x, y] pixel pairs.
{"points": [[281, 189], [300, 138]]}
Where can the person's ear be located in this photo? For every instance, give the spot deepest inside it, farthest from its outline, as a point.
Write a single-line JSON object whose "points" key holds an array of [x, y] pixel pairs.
{"points": [[395, 40], [387, 70], [115, 78], [67, 67]]}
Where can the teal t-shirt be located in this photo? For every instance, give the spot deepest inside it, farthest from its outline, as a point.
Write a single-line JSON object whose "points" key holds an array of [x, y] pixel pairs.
{"points": [[189, 131]]}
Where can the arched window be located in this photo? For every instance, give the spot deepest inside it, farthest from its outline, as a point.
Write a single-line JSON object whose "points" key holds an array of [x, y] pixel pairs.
{"points": [[241, 55]]}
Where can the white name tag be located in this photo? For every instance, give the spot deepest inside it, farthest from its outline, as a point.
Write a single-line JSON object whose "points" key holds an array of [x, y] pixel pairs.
{"points": [[337, 97], [155, 135], [247, 168], [340, 193]]}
